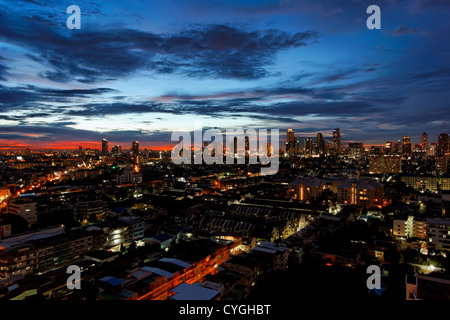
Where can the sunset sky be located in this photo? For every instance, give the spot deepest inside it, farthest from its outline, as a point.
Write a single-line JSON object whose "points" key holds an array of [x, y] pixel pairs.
{"points": [[138, 70]]}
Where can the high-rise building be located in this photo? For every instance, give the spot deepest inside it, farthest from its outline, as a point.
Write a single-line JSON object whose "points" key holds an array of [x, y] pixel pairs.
{"points": [[320, 144], [407, 148], [290, 143], [424, 142], [307, 145], [337, 142], [398, 148], [356, 150], [443, 145], [135, 151], [269, 149], [116, 150], [247, 145], [104, 146], [385, 164], [135, 147], [418, 153], [442, 164], [389, 148], [375, 151]]}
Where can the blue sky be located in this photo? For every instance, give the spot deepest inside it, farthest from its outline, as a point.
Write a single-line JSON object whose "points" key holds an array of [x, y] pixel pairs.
{"points": [[138, 70]]}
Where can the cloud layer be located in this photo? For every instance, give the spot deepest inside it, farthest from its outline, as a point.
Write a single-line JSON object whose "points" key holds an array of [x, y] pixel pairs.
{"points": [[138, 71]]}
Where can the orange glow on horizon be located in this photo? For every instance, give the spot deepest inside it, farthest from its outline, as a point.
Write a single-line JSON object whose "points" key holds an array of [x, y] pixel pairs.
{"points": [[74, 145]]}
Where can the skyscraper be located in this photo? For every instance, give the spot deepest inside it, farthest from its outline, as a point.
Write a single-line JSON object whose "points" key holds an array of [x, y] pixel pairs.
{"points": [[398, 147], [116, 150], [308, 145], [389, 148], [135, 151], [290, 143], [356, 150], [135, 147], [407, 148], [337, 141], [424, 141], [104, 146], [320, 144], [443, 145]]}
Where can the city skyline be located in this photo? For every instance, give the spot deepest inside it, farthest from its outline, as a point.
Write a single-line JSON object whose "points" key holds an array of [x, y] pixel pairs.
{"points": [[142, 71], [105, 145]]}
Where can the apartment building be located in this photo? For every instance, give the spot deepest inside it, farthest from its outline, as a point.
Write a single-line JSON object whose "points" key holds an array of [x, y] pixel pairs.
{"points": [[89, 210], [438, 233], [26, 208], [306, 189], [44, 250], [409, 227], [361, 192]]}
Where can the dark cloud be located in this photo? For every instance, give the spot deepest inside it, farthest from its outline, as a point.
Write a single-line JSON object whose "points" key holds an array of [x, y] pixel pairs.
{"points": [[28, 97], [56, 132], [404, 30], [335, 108], [438, 73], [72, 92], [418, 5], [3, 72], [199, 51]]}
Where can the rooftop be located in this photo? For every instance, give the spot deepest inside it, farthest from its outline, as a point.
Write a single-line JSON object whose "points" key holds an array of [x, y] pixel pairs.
{"points": [[194, 291]]}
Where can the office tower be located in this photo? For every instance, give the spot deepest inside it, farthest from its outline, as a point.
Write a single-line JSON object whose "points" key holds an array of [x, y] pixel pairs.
{"points": [[135, 148], [269, 150], [442, 154], [308, 147], [320, 144], [389, 148], [135, 151], [432, 149], [418, 153], [442, 164], [298, 147], [385, 164], [424, 141], [398, 148], [290, 143], [443, 145], [373, 151], [356, 150], [104, 146], [247, 145], [407, 148], [117, 150], [337, 142]]}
